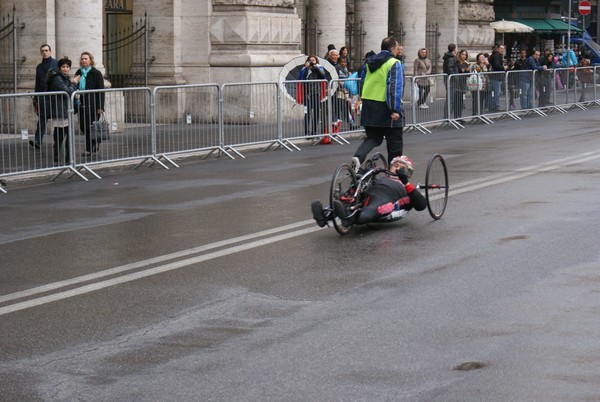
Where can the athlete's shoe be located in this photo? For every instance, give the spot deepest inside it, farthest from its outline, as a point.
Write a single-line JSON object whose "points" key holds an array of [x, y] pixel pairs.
{"points": [[340, 211], [355, 164], [317, 211]]}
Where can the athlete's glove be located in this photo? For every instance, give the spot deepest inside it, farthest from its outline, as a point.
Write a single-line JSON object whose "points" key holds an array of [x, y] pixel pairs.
{"points": [[402, 175]]}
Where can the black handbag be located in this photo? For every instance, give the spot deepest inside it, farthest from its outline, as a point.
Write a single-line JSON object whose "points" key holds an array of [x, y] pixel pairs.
{"points": [[100, 129]]}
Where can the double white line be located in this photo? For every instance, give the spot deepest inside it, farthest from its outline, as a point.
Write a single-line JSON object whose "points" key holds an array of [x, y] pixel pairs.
{"points": [[263, 238], [505, 177], [222, 248]]}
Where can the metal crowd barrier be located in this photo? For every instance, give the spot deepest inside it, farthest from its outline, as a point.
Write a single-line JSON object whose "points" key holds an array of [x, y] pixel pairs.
{"points": [[586, 93], [523, 87], [251, 115], [128, 112], [427, 100], [155, 125], [565, 88], [187, 120], [343, 116], [305, 110], [29, 138]]}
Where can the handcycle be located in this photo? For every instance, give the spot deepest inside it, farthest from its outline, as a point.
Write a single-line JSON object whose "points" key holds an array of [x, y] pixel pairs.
{"points": [[350, 189]]}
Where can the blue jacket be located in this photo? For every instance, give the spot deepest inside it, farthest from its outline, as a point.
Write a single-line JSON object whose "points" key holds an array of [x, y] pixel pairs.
{"points": [[316, 72], [376, 113], [531, 64], [313, 89], [569, 59]]}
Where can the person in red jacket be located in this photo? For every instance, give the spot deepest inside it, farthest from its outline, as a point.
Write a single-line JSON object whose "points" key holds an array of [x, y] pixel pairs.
{"points": [[387, 194]]}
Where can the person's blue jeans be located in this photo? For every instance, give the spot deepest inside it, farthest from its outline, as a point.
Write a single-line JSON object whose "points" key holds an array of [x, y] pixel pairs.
{"points": [[40, 130], [497, 85], [526, 95]]}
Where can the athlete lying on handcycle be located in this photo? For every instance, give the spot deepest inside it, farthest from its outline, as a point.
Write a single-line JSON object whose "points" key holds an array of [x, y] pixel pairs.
{"points": [[386, 195]]}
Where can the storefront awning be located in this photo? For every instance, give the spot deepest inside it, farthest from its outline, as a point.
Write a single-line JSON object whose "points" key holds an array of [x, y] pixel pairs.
{"points": [[548, 26]]}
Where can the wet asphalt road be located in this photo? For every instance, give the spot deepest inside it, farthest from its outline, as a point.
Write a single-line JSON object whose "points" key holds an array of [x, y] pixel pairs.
{"points": [[210, 282]]}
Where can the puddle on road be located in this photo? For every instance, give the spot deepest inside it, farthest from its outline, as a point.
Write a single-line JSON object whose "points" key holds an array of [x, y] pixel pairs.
{"points": [[468, 366], [516, 237]]}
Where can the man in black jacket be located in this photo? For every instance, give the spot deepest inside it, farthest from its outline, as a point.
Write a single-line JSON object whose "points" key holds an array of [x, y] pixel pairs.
{"points": [[382, 81], [41, 72], [450, 66], [497, 66]]}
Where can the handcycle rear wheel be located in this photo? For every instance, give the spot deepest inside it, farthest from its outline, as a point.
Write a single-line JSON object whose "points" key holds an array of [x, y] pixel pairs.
{"points": [[436, 186], [343, 185]]}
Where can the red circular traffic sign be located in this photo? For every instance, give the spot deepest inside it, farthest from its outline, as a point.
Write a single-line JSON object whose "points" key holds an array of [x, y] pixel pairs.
{"points": [[585, 7]]}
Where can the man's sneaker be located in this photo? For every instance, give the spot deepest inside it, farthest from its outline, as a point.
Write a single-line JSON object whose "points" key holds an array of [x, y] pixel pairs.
{"points": [[355, 164], [340, 211], [317, 211], [424, 106]]}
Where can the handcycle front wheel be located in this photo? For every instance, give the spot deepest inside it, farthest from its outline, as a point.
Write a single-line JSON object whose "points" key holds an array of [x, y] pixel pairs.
{"points": [[436, 186], [343, 185]]}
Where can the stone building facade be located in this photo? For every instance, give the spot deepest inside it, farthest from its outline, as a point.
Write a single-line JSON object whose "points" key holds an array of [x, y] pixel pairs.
{"points": [[218, 41]]}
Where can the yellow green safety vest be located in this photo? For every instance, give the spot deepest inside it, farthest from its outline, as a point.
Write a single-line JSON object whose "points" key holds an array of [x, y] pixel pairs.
{"points": [[375, 84]]}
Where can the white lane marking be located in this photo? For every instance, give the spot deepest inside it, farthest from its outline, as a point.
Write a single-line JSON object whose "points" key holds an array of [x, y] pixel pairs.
{"points": [[152, 271], [521, 173], [151, 261], [466, 187]]}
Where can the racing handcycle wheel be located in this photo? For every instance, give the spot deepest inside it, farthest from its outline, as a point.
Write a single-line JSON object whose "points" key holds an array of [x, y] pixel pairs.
{"points": [[343, 188], [436, 186]]}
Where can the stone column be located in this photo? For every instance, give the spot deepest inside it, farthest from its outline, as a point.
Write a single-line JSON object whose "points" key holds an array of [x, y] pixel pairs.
{"points": [[251, 39], [79, 29], [35, 26], [372, 16], [330, 17], [412, 15], [445, 14], [170, 21], [474, 31]]}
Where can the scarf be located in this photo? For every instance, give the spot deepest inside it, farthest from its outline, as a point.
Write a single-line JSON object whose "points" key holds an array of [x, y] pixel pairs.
{"points": [[84, 73]]}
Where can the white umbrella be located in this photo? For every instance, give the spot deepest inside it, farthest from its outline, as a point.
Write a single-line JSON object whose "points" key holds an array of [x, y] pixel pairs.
{"points": [[509, 26]]}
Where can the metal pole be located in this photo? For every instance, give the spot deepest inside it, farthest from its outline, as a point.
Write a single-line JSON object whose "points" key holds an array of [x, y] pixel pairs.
{"points": [[569, 29], [316, 38], [568, 51], [14, 37], [598, 23], [146, 50]]}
